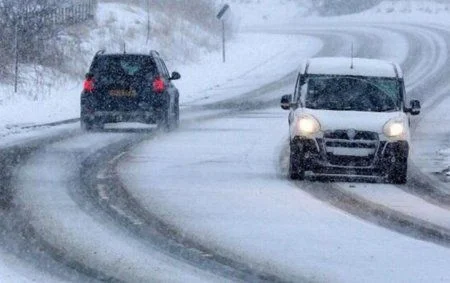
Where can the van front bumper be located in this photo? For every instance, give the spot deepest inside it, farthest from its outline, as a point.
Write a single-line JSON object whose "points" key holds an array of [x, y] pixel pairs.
{"points": [[350, 158]]}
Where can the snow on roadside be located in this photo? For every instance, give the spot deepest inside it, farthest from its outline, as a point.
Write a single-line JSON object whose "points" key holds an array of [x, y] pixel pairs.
{"points": [[268, 12], [250, 57], [431, 141]]}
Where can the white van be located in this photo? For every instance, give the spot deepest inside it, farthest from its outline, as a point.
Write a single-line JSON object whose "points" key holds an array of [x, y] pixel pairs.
{"points": [[349, 117]]}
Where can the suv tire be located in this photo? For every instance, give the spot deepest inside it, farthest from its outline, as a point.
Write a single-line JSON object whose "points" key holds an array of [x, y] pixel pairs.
{"points": [[296, 163], [176, 122], [163, 122], [86, 125]]}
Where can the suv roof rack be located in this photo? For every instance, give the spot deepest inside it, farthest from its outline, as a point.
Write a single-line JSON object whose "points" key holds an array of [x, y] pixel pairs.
{"points": [[154, 53], [100, 52]]}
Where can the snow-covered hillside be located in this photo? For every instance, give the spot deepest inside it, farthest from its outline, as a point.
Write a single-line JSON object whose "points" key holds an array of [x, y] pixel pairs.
{"points": [[256, 12]]}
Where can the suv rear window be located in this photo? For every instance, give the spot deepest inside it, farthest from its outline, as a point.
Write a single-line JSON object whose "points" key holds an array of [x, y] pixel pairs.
{"points": [[123, 69]]}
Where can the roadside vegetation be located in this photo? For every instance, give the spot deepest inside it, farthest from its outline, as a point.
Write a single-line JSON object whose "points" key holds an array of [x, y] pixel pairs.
{"points": [[39, 33]]}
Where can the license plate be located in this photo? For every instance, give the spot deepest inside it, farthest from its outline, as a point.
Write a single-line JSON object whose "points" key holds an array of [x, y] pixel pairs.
{"points": [[122, 93]]}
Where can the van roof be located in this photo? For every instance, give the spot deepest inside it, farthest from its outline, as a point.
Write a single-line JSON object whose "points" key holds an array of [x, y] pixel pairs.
{"points": [[361, 67]]}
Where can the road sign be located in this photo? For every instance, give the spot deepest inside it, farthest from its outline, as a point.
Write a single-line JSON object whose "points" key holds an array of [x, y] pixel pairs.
{"points": [[223, 11], [220, 16]]}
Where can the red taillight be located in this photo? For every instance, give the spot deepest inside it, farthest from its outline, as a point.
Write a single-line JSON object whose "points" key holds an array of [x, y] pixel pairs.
{"points": [[158, 85], [88, 85]]}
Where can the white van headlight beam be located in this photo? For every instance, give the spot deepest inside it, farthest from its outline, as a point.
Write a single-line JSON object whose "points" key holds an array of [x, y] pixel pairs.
{"points": [[394, 128], [308, 125]]}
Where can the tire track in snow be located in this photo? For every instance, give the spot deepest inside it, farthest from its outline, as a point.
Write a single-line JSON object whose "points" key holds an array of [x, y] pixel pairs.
{"points": [[19, 236], [103, 186]]}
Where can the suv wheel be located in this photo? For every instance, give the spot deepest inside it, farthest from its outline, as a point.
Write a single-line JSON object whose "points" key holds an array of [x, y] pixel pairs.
{"points": [[163, 120], [89, 125], [176, 122], [398, 172], [296, 163], [86, 125]]}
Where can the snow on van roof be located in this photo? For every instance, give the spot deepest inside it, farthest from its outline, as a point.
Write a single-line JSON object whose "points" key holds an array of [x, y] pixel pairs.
{"points": [[361, 67]]}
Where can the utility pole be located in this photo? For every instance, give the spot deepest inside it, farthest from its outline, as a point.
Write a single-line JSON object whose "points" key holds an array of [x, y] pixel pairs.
{"points": [[220, 16], [16, 43]]}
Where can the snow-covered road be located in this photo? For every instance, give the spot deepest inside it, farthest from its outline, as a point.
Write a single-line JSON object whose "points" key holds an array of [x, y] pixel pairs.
{"points": [[222, 183], [219, 183]]}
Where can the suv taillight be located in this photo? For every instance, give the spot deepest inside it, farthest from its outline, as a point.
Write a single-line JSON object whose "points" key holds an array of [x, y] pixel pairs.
{"points": [[88, 85], [158, 85]]}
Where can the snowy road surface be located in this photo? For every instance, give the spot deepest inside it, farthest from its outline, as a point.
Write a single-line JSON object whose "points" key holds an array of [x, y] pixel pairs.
{"points": [[211, 201], [222, 183]]}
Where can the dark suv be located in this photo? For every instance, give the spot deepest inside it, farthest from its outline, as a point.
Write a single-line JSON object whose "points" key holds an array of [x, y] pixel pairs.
{"points": [[129, 88]]}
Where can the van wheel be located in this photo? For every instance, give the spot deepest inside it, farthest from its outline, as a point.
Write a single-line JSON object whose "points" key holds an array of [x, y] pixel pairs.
{"points": [[296, 163]]}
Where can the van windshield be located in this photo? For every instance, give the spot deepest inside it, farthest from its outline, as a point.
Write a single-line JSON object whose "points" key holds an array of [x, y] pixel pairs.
{"points": [[345, 93]]}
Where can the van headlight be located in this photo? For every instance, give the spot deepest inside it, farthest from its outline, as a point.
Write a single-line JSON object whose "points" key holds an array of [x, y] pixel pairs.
{"points": [[308, 125], [394, 128]]}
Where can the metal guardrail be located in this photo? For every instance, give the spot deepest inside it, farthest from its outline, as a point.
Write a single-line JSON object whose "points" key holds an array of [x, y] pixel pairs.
{"points": [[28, 27], [74, 13], [67, 13]]}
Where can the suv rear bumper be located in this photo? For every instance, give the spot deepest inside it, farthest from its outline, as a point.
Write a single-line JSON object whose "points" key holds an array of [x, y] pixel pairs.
{"points": [[143, 116], [319, 161], [96, 110]]}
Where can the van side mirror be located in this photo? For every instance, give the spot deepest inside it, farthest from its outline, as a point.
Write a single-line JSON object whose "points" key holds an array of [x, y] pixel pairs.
{"points": [[286, 101], [415, 107]]}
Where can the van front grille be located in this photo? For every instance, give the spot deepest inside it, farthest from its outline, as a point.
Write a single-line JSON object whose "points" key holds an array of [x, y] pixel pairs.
{"points": [[350, 148]]}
